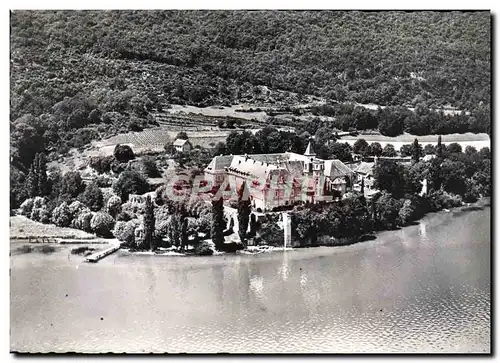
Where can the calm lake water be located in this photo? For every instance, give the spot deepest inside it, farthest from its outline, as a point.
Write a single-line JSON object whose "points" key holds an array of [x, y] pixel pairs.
{"points": [[424, 288]]}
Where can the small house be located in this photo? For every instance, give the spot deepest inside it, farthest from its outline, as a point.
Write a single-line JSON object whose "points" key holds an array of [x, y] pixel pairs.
{"points": [[365, 171], [182, 145]]}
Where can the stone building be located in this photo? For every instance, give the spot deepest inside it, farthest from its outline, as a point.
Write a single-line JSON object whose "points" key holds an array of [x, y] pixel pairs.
{"points": [[282, 179]]}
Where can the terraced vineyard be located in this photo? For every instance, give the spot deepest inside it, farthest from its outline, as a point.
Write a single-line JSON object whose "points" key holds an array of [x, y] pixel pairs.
{"points": [[200, 121], [155, 139]]}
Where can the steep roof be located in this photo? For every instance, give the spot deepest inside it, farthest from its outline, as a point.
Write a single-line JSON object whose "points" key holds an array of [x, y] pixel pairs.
{"points": [[218, 163], [181, 142], [250, 167], [365, 168], [336, 168], [309, 150]]}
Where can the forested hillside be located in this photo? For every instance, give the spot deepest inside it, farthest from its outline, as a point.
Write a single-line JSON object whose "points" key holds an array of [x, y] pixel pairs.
{"points": [[76, 75], [387, 58]]}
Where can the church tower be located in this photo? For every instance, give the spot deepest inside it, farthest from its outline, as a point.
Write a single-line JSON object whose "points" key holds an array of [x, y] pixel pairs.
{"points": [[310, 156]]}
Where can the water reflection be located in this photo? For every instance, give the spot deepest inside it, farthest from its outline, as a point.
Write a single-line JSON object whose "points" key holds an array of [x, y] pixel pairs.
{"points": [[422, 230], [423, 288]]}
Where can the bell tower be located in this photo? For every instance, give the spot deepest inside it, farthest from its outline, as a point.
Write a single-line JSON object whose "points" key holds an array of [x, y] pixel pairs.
{"points": [[310, 156]]}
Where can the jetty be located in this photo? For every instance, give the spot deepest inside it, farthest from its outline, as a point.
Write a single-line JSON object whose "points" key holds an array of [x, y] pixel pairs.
{"points": [[95, 257]]}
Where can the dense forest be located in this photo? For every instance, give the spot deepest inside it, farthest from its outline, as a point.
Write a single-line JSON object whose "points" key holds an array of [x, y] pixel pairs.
{"points": [[387, 58]]}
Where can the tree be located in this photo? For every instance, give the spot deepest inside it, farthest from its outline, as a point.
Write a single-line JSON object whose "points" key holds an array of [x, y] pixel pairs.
{"points": [[32, 179], [452, 174], [387, 211], [360, 146], [485, 153], [244, 209], [470, 150], [389, 150], [363, 186], [149, 167], [391, 121], [306, 225], [102, 224], [406, 150], [177, 232], [149, 224], [356, 217], [439, 148], [61, 215], [416, 151], [341, 151], [92, 197], [182, 135], [72, 184], [217, 223], [271, 234], [82, 221], [454, 148], [389, 176], [375, 149], [429, 149], [406, 212], [43, 186], [130, 182], [101, 164], [113, 206], [18, 192], [123, 153]]}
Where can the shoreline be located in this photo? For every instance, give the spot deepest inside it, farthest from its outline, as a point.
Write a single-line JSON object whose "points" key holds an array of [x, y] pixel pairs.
{"points": [[266, 249]]}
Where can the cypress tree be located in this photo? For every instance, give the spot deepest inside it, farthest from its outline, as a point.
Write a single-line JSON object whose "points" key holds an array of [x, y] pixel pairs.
{"points": [[43, 188], [32, 186], [184, 233], [149, 224], [416, 151], [244, 209], [217, 228], [363, 186], [439, 148]]}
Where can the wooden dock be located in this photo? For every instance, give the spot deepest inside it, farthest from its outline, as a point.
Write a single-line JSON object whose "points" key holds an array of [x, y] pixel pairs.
{"points": [[95, 257]]}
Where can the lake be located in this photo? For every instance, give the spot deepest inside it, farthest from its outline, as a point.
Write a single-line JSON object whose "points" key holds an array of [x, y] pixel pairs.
{"points": [[423, 288]]}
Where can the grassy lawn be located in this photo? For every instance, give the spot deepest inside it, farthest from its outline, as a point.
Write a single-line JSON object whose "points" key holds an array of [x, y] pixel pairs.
{"points": [[24, 228]]}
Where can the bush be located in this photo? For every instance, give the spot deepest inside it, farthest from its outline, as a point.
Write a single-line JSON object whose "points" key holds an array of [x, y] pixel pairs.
{"points": [[103, 181], [387, 211], [204, 248], [123, 153], [61, 215], [102, 224], [77, 208], [114, 205], [41, 214], [92, 197], [26, 207], [125, 216], [83, 221], [125, 231], [439, 199], [407, 212], [38, 202], [101, 164], [271, 234]]}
